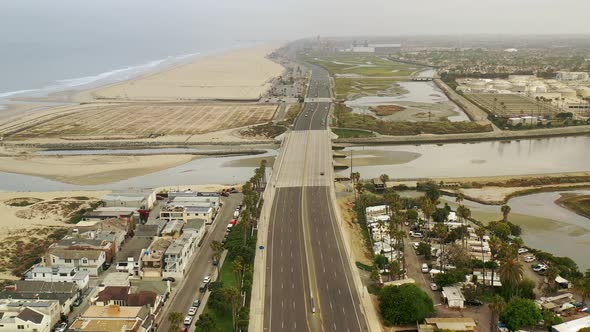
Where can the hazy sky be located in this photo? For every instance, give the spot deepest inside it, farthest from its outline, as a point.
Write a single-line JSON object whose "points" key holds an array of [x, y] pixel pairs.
{"points": [[288, 19]]}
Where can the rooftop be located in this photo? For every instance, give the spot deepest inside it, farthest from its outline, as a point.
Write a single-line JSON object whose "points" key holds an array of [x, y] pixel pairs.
{"points": [[112, 311], [179, 244], [76, 254], [573, 325], [105, 325], [133, 248], [35, 286], [113, 293], [31, 316], [194, 224]]}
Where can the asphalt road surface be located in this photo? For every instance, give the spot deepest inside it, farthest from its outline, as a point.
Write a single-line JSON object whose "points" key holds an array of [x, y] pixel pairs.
{"points": [[308, 277], [202, 263]]}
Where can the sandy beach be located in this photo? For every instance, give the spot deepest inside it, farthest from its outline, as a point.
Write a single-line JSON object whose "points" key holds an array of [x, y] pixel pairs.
{"points": [[90, 170], [236, 75]]}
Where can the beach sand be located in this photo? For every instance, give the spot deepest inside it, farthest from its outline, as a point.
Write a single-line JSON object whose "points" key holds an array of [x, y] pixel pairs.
{"points": [[21, 225], [238, 75], [90, 170]]}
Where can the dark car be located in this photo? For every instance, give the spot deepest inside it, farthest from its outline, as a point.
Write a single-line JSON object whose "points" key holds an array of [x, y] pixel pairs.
{"points": [[474, 302], [77, 302], [169, 279], [197, 303]]}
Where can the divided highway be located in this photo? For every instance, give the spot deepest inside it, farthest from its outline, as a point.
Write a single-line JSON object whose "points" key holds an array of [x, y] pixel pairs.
{"points": [[309, 283]]}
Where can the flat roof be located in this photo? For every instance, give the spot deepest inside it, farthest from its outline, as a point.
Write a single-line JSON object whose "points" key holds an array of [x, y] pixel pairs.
{"points": [[573, 325], [133, 248], [111, 311], [106, 325]]}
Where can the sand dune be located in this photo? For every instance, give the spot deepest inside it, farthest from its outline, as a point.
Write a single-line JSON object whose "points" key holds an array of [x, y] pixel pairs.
{"points": [[241, 74]]}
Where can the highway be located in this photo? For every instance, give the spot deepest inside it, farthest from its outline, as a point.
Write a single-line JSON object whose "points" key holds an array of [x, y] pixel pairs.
{"points": [[309, 284]]}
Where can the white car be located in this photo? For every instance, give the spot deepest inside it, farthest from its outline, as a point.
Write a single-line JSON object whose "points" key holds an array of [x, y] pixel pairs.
{"points": [[529, 259], [540, 267], [192, 311], [522, 250], [424, 268], [236, 213], [415, 245], [416, 234], [207, 279], [188, 320], [62, 327], [434, 286]]}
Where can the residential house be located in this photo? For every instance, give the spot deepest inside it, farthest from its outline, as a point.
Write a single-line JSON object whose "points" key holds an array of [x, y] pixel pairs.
{"points": [[453, 297], [173, 228], [136, 199], [149, 231], [58, 273], [128, 259], [90, 261], [28, 315], [178, 254], [153, 259], [212, 201], [110, 213], [88, 244], [114, 318], [64, 292], [122, 296], [573, 325], [185, 212]]}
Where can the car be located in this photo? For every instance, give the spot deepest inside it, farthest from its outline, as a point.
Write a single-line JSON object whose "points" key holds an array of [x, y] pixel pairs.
{"points": [[433, 286], [540, 267], [207, 279], [188, 320], [197, 303], [529, 259], [522, 250], [321, 173], [416, 234], [424, 268], [171, 279], [232, 222], [236, 213], [305, 114], [184, 329], [62, 327], [77, 302], [415, 245], [215, 262], [203, 287], [192, 311], [474, 302]]}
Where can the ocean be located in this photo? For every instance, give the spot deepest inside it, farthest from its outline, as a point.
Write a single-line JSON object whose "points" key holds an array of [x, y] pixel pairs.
{"points": [[47, 47]]}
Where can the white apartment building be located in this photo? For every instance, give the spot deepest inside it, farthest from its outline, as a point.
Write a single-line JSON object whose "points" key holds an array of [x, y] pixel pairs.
{"points": [[90, 261], [28, 315], [58, 273], [177, 255]]}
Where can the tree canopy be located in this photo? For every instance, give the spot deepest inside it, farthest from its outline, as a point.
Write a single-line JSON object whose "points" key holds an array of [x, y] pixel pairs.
{"points": [[520, 313], [405, 304]]}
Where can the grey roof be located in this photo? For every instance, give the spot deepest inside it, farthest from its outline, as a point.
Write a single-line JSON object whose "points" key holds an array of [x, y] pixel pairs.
{"points": [[62, 298], [76, 254], [200, 209], [79, 242], [36, 286], [176, 247], [31, 316], [133, 248], [195, 224], [150, 230]]}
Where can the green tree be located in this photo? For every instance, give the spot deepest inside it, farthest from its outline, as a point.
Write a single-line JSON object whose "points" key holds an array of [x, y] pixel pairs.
{"points": [[520, 313], [175, 318], [205, 323], [497, 305], [481, 232], [375, 275], [237, 268], [232, 296], [505, 211], [243, 319], [424, 249], [582, 286], [511, 273], [217, 248], [406, 304]]}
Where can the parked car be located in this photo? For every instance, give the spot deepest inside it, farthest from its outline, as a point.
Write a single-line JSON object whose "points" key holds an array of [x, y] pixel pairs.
{"points": [[433, 286], [192, 311], [62, 327], [188, 320], [171, 279], [232, 222], [529, 259], [197, 303], [203, 287], [207, 279], [522, 250], [424, 268], [77, 302], [540, 267], [416, 234], [415, 245], [473, 302], [184, 329], [236, 213]]}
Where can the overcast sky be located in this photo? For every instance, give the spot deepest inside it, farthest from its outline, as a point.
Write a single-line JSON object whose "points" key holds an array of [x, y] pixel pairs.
{"points": [[290, 19]]}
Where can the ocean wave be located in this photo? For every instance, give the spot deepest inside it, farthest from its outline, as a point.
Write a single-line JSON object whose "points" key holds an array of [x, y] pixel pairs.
{"points": [[115, 75]]}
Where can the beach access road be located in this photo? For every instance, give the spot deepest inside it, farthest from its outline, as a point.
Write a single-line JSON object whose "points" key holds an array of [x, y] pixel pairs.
{"points": [[188, 288]]}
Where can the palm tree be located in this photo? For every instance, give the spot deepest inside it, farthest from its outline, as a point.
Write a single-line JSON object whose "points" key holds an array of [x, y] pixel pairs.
{"points": [[175, 318], [551, 273], [205, 323], [496, 307], [582, 286], [232, 296], [237, 267], [459, 199], [359, 189], [505, 211], [441, 231], [427, 208], [481, 232], [217, 248], [384, 178], [511, 273], [495, 243]]}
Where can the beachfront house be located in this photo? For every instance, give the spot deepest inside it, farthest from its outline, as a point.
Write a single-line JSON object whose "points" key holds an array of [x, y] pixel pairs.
{"points": [[91, 261]]}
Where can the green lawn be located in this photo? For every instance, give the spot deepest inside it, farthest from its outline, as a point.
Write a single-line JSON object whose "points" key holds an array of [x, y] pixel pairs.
{"points": [[345, 88], [350, 133], [366, 65]]}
